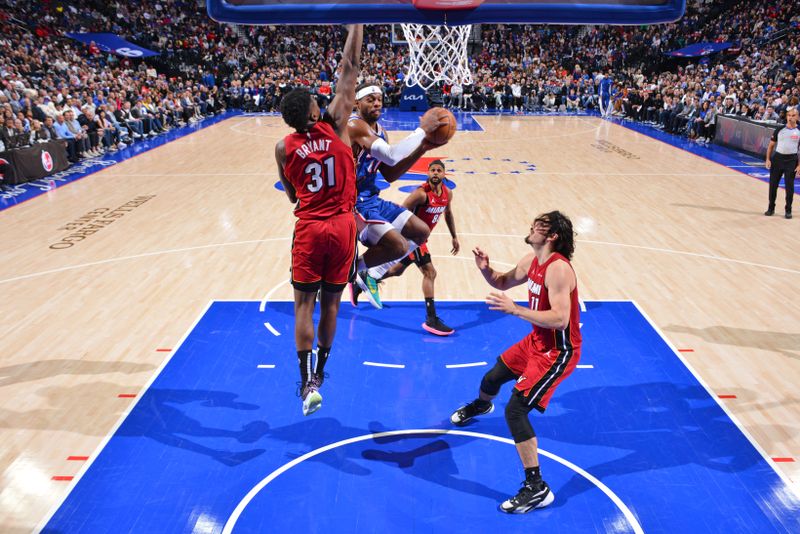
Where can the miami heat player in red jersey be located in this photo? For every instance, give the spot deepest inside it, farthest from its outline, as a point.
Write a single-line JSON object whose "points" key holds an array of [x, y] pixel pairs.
{"points": [[435, 203], [431, 202], [316, 168], [543, 358], [319, 166]]}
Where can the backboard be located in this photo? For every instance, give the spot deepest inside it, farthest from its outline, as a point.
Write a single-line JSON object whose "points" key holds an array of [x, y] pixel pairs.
{"points": [[445, 12]]}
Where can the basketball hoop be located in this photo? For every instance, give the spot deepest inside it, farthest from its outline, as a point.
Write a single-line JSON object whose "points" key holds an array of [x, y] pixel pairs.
{"points": [[437, 54]]}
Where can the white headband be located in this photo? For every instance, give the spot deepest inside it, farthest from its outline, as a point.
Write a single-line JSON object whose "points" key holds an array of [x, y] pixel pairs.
{"points": [[368, 90]]}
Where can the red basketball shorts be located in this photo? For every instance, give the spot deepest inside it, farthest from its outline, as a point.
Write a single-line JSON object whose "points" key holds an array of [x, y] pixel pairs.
{"points": [[539, 372], [323, 253]]}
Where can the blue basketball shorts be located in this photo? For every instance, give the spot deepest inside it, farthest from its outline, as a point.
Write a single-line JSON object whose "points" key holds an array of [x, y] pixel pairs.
{"points": [[380, 216]]}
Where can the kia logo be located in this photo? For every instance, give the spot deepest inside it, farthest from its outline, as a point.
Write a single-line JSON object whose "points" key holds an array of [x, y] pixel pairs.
{"points": [[413, 97]]}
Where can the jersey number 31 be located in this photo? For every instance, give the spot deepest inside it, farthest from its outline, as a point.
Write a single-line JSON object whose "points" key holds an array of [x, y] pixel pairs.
{"points": [[314, 170]]}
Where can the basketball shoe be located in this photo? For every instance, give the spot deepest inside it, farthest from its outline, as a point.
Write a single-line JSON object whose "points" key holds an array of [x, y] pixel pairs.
{"points": [[370, 288], [531, 495], [355, 291], [466, 413], [309, 392], [435, 326]]}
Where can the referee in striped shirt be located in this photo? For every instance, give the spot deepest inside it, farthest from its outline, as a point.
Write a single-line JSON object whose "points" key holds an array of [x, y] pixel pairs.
{"points": [[782, 160]]}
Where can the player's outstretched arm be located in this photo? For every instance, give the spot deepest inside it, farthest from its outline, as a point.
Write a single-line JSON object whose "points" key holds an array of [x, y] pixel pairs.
{"points": [[280, 159], [502, 281], [560, 281], [342, 105], [398, 159]]}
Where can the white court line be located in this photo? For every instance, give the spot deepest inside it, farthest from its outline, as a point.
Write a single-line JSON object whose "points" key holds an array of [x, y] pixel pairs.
{"points": [[654, 249], [515, 236], [794, 489], [460, 173], [529, 138], [694, 254], [464, 258], [582, 305], [240, 507], [582, 174], [459, 365], [272, 329], [108, 436], [266, 366], [585, 366], [392, 365], [199, 174], [263, 304], [144, 255]]}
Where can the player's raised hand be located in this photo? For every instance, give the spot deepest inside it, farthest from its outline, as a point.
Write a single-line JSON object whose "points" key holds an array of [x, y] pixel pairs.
{"points": [[481, 258], [500, 302]]}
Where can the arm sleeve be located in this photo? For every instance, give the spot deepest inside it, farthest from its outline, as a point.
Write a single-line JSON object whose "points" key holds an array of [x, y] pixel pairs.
{"points": [[392, 155]]}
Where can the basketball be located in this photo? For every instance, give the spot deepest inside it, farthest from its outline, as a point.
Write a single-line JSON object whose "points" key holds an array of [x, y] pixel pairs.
{"points": [[445, 132]]}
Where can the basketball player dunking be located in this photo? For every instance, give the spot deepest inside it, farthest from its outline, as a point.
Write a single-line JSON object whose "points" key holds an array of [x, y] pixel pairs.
{"points": [[315, 166], [429, 202], [390, 231], [543, 358]]}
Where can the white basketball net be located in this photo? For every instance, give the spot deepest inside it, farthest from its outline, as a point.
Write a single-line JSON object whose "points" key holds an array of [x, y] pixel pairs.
{"points": [[437, 54]]}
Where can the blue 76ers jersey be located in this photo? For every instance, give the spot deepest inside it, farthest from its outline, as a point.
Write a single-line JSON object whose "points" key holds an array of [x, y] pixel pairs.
{"points": [[605, 86], [367, 169]]}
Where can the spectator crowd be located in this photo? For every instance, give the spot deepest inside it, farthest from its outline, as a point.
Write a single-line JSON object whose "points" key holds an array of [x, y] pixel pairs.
{"points": [[96, 102]]}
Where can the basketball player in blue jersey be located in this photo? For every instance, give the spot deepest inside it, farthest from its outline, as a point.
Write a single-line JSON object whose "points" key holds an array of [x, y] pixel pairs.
{"points": [[606, 84], [388, 230]]}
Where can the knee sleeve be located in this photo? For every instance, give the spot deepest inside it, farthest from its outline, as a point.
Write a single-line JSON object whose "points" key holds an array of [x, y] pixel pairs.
{"points": [[496, 377], [517, 411]]}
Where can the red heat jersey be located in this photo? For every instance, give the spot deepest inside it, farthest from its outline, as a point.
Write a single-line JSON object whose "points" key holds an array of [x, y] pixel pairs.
{"points": [[546, 339], [435, 206], [320, 166]]}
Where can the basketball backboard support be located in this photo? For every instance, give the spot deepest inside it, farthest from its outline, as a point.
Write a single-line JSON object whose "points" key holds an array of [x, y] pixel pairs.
{"points": [[446, 12]]}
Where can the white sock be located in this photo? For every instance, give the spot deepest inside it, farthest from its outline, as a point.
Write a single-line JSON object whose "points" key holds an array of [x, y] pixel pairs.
{"points": [[379, 271]]}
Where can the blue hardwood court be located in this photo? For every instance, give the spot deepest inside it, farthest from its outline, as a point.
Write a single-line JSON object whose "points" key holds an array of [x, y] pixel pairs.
{"points": [[632, 441]]}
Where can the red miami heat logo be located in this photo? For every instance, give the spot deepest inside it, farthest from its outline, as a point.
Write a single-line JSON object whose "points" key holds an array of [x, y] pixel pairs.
{"points": [[47, 161]]}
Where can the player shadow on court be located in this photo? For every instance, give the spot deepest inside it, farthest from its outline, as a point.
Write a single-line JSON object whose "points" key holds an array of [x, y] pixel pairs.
{"points": [[725, 209], [432, 461], [644, 428], [157, 416], [408, 317], [785, 343], [41, 369]]}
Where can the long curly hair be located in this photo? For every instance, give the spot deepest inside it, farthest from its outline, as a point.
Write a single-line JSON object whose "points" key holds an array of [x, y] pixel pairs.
{"points": [[560, 225]]}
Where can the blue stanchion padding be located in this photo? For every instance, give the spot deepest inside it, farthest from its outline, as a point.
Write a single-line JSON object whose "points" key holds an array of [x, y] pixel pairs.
{"points": [[413, 99]]}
